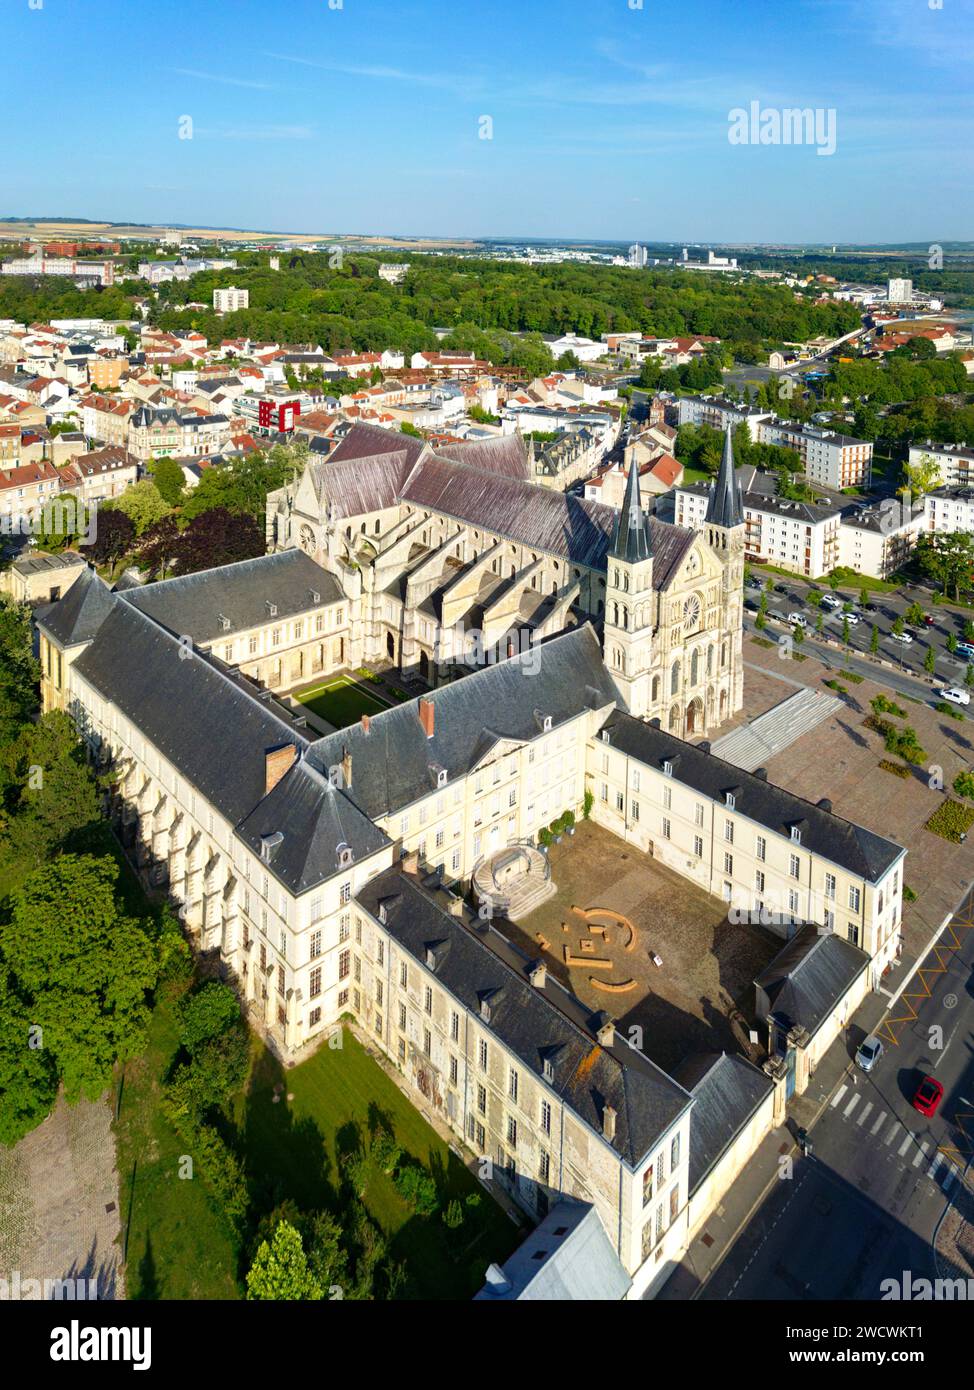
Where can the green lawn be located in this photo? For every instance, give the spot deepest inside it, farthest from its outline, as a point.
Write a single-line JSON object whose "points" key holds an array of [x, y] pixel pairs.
{"points": [[341, 702], [339, 1094], [179, 1247]]}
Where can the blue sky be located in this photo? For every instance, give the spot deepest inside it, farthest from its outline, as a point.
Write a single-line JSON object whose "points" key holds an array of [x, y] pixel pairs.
{"points": [[608, 121]]}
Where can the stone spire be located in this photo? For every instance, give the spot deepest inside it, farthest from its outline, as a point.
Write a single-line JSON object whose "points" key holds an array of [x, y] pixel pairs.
{"points": [[632, 538], [725, 507]]}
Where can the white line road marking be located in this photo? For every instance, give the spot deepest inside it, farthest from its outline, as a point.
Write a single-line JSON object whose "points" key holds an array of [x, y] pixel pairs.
{"points": [[851, 1106], [894, 1129], [932, 1170], [905, 1145], [921, 1152], [838, 1095], [865, 1112], [878, 1124], [950, 1177]]}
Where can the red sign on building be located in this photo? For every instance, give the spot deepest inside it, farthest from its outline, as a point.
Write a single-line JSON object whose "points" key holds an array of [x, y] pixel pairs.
{"points": [[271, 416]]}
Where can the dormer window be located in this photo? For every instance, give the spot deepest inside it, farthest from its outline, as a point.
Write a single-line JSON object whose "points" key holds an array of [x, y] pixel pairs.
{"points": [[667, 768], [224, 622], [796, 835], [485, 1010], [605, 736], [546, 725], [272, 609], [547, 1070], [441, 777], [731, 800], [345, 856]]}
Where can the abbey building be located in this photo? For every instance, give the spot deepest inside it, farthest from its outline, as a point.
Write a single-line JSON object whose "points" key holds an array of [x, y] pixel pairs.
{"points": [[449, 557]]}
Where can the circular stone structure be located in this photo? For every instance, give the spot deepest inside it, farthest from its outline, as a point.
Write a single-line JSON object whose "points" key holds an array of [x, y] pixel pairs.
{"points": [[513, 881]]}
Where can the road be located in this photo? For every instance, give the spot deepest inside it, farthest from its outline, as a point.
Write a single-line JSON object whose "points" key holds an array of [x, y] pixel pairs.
{"points": [[864, 1205], [909, 659]]}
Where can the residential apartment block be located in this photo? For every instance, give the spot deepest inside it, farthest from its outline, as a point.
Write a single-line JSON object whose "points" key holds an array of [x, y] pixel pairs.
{"points": [[835, 460], [798, 536], [955, 461], [720, 413]]}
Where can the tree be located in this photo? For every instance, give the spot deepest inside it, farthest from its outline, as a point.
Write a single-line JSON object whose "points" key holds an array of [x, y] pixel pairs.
{"points": [[280, 1269], [142, 503], [206, 1013], [55, 796], [169, 479], [898, 626], [114, 537], [218, 538], [81, 967], [820, 621], [28, 1076], [930, 661], [863, 596], [914, 614], [19, 670], [160, 546], [921, 476], [874, 640], [846, 631], [947, 557], [969, 676]]}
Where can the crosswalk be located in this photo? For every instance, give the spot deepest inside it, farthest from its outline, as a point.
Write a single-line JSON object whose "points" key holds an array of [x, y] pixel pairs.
{"points": [[888, 1131]]}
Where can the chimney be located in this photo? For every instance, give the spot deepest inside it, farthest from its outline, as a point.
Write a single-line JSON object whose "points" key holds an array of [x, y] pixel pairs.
{"points": [[825, 804], [455, 906], [346, 769], [538, 974], [366, 722], [608, 1123], [277, 763], [607, 1033], [426, 714], [410, 862]]}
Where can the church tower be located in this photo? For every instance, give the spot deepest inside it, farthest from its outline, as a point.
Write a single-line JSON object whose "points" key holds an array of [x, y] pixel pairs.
{"points": [[724, 525], [630, 601]]}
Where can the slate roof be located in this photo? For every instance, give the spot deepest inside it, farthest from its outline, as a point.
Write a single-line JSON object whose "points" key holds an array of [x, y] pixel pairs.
{"points": [[807, 979], [726, 1091], [567, 1258], [533, 1023], [369, 441], [316, 820], [215, 732], [725, 507], [77, 616], [850, 846], [193, 605], [633, 539], [504, 454], [391, 764], [354, 486]]}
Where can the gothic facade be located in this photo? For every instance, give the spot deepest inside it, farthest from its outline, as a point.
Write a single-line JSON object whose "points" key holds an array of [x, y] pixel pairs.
{"points": [[450, 558]]}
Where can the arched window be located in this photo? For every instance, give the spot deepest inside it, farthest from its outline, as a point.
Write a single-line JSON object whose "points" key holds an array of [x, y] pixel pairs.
{"points": [[695, 668], [723, 653], [655, 689], [710, 661], [675, 679]]}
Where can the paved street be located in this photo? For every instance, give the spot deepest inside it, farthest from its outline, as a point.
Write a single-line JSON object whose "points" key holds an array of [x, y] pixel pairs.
{"points": [[864, 1205], [908, 658]]}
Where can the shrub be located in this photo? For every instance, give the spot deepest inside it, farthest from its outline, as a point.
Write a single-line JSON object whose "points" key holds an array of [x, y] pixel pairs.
{"points": [[897, 769], [205, 1013], [568, 820], [852, 676], [909, 894], [545, 836], [951, 820], [964, 784], [453, 1216], [942, 707], [884, 706], [417, 1189], [588, 801], [838, 687], [223, 1174], [386, 1151]]}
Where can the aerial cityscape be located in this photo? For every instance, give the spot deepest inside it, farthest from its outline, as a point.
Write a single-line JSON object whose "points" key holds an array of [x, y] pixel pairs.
{"points": [[486, 666]]}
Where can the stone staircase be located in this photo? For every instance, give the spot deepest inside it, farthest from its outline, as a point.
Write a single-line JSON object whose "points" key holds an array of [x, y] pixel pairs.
{"points": [[755, 744]]}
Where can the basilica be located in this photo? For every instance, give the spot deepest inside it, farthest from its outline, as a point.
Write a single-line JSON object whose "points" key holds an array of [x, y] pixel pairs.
{"points": [[450, 557]]}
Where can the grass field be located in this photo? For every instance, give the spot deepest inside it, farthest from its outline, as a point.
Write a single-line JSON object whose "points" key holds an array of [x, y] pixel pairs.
{"points": [[341, 702], [180, 1247], [339, 1095]]}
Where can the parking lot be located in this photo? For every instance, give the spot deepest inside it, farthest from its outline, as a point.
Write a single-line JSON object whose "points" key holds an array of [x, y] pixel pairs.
{"points": [[884, 612]]}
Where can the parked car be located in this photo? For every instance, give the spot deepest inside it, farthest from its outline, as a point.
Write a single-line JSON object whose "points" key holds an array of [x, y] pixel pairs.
{"points": [[928, 1096], [872, 607], [929, 620], [750, 606], [869, 1053], [964, 649], [955, 695], [780, 589], [851, 618], [798, 620], [830, 601], [903, 637]]}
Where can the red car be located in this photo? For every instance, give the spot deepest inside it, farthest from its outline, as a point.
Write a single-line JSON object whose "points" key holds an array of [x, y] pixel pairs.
{"points": [[929, 620], [928, 1096]]}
